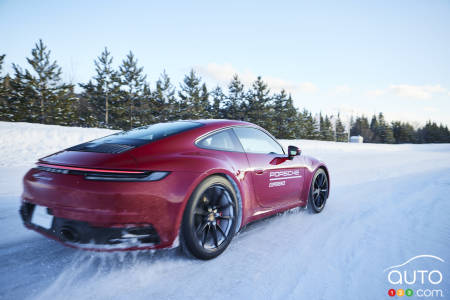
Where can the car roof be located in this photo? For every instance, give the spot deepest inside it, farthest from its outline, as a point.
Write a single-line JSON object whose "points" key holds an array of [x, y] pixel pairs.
{"points": [[215, 124], [218, 123]]}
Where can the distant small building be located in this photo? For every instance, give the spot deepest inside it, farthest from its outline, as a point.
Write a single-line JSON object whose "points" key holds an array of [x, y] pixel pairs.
{"points": [[356, 139]]}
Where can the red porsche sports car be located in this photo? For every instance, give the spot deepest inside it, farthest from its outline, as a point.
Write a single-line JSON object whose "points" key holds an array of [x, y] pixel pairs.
{"points": [[193, 182]]}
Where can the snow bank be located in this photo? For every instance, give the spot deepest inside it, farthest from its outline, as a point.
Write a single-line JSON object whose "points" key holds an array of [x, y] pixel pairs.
{"points": [[21, 144]]}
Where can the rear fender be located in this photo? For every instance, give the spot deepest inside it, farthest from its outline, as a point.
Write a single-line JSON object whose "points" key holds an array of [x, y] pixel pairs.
{"points": [[241, 188]]}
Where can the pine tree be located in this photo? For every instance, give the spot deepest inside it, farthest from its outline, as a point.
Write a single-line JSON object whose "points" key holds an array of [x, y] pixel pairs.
{"points": [[106, 83], [64, 112], [204, 102], [316, 124], [326, 129], [133, 83], [105, 78], [218, 100], [41, 91], [374, 128], [307, 126], [282, 118], [20, 102], [257, 105], [165, 108], [366, 133], [355, 126], [85, 115], [233, 106], [86, 107], [277, 124], [146, 113], [194, 98], [384, 131], [432, 133], [341, 134], [329, 132], [3, 93], [2, 58], [321, 127], [403, 132], [100, 93], [292, 122], [444, 134]]}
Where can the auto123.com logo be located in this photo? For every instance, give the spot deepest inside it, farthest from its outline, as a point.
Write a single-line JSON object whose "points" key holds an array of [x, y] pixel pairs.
{"points": [[414, 279]]}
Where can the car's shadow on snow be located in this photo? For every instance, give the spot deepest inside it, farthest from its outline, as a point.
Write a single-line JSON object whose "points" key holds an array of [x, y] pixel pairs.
{"points": [[293, 211]]}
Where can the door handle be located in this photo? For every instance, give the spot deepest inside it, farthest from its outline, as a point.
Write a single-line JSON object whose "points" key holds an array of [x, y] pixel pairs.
{"points": [[259, 171]]}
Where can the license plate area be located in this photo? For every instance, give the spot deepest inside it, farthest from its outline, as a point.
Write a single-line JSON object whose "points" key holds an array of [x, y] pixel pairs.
{"points": [[41, 217]]}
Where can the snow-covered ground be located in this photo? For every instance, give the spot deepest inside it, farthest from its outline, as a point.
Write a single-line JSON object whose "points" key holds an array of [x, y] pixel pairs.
{"points": [[388, 203]]}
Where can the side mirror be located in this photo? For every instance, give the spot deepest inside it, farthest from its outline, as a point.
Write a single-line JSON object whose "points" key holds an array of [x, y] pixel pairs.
{"points": [[293, 151]]}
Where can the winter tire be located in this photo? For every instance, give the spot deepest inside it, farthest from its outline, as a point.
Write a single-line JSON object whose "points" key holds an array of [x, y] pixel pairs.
{"points": [[318, 193], [210, 218]]}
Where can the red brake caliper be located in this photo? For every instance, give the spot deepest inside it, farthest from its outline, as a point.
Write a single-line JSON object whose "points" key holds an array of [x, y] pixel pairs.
{"points": [[218, 221]]}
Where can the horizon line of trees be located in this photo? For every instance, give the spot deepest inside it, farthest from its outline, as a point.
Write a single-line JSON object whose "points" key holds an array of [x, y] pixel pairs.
{"points": [[122, 98]]}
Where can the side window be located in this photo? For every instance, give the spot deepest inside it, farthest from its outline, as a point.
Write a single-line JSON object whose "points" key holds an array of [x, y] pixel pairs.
{"points": [[224, 140], [256, 141]]}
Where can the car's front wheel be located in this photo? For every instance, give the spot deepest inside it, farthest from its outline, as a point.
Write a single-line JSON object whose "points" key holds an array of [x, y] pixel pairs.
{"points": [[210, 217], [318, 192]]}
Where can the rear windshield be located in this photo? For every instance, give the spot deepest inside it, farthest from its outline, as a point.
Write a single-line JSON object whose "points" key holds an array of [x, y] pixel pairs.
{"points": [[127, 140], [157, 131]]}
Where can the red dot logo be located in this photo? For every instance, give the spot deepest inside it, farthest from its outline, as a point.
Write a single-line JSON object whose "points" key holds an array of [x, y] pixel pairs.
{"points": [[391, 292]]}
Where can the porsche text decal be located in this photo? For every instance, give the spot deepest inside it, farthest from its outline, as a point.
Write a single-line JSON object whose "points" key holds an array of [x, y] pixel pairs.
{"points": [[278, 178]]}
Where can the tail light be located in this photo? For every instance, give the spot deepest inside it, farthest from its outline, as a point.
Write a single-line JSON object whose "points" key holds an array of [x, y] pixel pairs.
{"points": [[105, 175]]}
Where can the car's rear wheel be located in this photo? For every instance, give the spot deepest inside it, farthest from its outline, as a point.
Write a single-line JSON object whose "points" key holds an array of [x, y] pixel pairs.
{"points": [[210, 218], [318, 192]]}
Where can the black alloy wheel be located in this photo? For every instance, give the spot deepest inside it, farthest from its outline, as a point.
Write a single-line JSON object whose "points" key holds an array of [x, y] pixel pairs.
{"points": [[209, 220], [318, 193]]}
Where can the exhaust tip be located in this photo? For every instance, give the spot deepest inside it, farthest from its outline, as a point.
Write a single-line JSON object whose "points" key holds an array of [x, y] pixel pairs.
{"points": [[68, 234]]}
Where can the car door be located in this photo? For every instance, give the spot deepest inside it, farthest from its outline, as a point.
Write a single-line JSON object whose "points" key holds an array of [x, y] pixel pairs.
{"points": [[277, 180]]}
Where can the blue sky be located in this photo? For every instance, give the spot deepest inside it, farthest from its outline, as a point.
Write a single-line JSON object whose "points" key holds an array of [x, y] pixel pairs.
{"points": [[350, 57]]}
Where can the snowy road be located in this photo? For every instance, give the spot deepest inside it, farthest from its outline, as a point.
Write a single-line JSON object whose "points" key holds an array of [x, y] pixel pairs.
{"points": [[388, 203]]}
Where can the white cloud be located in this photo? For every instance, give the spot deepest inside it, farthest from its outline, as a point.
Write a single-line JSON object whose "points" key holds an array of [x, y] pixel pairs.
{"points": [[430, 109], [376, 93], [410, 91], [342, 90], [217, 72], [223, 73], [416, 91], [308, 87]]}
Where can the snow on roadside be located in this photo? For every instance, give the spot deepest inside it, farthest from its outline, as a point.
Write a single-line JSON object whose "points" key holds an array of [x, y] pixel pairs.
{"points": [[21, 144]]}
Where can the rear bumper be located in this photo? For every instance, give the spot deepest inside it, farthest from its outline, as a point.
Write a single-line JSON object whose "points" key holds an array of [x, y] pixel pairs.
{"points": [[82, 235], [107, 216]]}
